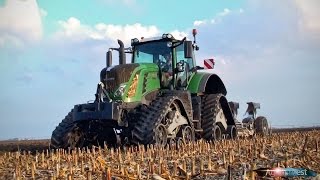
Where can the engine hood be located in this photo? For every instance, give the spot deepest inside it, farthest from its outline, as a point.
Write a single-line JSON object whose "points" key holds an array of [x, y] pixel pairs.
{"points": [[130, 82], [117, 75]]}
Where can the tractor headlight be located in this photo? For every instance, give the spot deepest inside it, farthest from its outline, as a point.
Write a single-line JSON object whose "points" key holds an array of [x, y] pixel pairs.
{"points": [[120, 90], [167, 36], [134, 41]]}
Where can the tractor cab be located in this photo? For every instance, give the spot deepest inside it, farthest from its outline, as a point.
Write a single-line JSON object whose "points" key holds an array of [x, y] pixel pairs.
{"points": [[174, 58]]}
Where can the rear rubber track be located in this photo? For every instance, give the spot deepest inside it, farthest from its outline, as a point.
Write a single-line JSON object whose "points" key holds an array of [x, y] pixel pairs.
{"points": [[210, 107]]}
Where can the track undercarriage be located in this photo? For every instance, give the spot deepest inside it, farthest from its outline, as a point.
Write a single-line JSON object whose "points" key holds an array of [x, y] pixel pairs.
{"points": [[163, 121]]}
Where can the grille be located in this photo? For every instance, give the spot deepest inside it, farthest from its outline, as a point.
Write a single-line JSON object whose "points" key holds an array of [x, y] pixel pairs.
{"points": [[119, 74]]}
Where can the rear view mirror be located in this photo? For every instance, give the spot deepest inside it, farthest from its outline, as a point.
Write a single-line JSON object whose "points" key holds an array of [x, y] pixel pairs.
{"points": [[188, 49]]}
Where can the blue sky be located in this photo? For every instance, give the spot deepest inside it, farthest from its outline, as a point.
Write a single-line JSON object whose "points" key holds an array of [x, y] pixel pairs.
{"points": [[52, 52]]}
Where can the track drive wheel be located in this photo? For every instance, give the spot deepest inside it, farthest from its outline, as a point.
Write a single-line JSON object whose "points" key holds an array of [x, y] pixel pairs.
{"points": [[232, 132], [75, 138], [261, 126], [210, 112]]}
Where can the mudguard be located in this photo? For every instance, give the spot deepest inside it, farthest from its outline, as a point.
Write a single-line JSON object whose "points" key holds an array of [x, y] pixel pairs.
{"points": [[202, 82], [207, 83]]}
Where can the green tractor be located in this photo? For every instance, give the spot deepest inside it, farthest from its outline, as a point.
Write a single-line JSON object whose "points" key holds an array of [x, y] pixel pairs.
{"points": [[159, 98]]}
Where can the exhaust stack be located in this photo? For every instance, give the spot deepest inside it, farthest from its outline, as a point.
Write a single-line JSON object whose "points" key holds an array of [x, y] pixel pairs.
{"points": [[109, 58], [122, 56]]}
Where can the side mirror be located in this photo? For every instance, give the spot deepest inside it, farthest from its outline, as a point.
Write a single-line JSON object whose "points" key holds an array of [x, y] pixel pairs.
{"points": [[188, 49], [180, 66]]}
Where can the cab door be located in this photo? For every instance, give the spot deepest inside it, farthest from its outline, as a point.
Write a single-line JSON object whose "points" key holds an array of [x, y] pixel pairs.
{"points": [[186, 64]]}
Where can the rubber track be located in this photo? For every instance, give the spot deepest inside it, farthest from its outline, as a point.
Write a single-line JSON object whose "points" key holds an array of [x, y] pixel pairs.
{"points": [[209, 109], [61, 130], [144, 130]]}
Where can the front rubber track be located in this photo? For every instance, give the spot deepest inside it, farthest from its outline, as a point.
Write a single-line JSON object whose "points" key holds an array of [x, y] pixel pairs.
{"points": [[144, 130], [58, 135]]}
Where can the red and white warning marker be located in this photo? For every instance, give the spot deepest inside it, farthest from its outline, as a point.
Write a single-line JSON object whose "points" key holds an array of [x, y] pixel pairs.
{"points": [[208, 63]]}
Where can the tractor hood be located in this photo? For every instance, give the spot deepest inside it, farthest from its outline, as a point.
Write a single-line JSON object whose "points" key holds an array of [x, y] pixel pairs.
{"points": [[131, 80], [117, 75]]}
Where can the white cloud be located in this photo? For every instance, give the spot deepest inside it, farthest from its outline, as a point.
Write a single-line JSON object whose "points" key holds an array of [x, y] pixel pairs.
{"points": [[43, 12], [8, 40], [216, 19], [310, 15], [179, 34], [73, 29], [20, 22], [225, 12], [199, 22]]}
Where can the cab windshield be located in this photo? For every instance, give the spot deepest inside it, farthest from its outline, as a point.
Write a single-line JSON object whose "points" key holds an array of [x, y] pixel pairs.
{"points": [[151, 52]]}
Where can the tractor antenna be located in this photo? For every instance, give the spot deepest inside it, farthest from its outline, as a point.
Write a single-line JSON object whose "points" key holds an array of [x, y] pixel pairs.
{"points": [[194, 33]]}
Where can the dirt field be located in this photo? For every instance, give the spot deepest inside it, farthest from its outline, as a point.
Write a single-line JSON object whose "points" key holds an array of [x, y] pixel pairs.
{"points": [[200, 160], [24, 145], [43, 144]]}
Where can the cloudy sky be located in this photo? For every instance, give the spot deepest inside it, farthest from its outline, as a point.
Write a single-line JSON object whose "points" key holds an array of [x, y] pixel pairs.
{"points": [[51, 53]]}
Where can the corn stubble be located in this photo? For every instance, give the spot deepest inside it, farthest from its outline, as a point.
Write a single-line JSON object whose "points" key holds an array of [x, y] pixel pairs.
{"points": [[225, 159]]}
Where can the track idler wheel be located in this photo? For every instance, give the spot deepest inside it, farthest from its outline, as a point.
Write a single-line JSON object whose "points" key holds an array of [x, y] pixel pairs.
{"points": [[187, 134], [232, 132], [217, 132], [161, 135]]}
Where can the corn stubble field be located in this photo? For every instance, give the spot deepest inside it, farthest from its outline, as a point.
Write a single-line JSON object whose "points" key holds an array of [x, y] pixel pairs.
{"points": [[225, 159]]}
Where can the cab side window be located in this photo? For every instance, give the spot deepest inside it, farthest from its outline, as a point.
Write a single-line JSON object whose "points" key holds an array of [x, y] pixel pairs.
{"points": [[180, 56], [188, 65]]}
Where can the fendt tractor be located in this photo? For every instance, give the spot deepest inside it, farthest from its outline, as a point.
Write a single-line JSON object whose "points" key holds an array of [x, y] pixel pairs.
{"points": [[251, 124], [159, 98]]}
